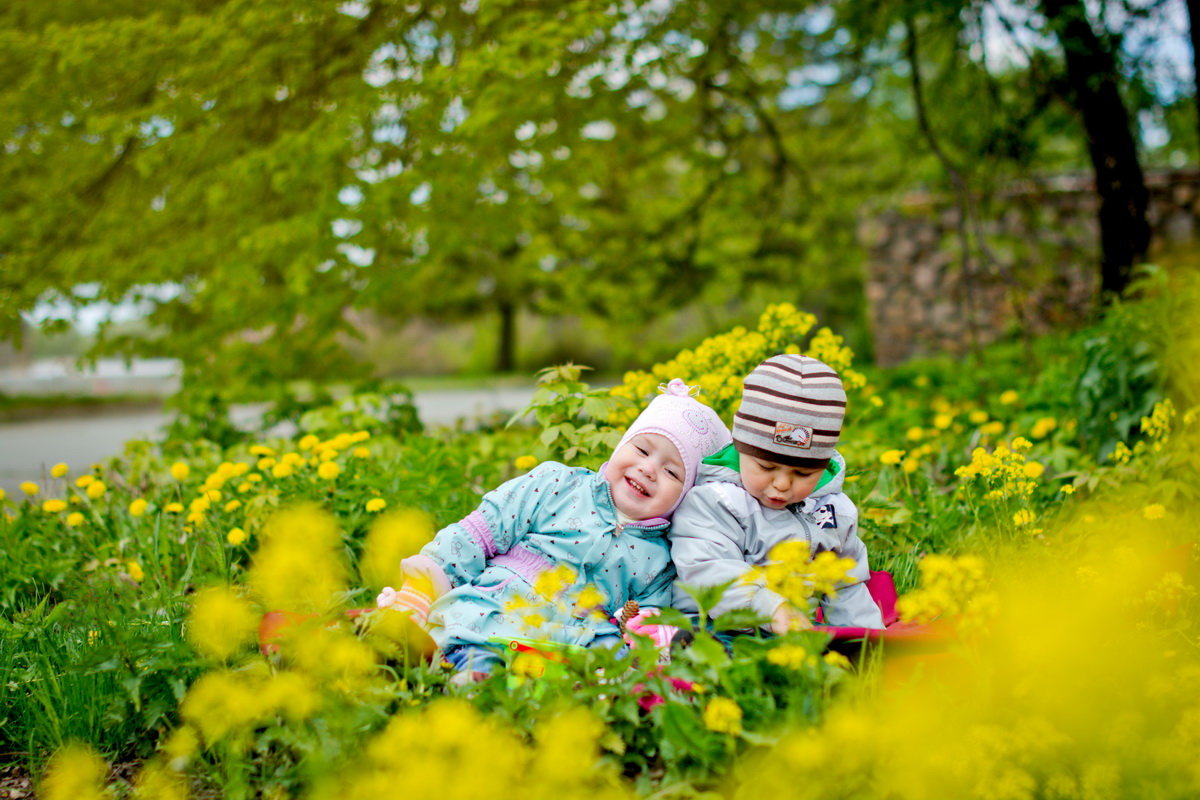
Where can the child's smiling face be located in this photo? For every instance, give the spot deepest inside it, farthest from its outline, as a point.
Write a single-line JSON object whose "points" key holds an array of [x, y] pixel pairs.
{"points": [[776, 485], [645, 476]]}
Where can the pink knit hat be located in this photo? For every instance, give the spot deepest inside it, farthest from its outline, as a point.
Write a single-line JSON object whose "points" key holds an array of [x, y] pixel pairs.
{"points": [[694, 428]]}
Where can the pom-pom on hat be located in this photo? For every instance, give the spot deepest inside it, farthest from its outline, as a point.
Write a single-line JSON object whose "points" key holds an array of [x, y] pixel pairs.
{"points": [[694, 428], [791, 411]]}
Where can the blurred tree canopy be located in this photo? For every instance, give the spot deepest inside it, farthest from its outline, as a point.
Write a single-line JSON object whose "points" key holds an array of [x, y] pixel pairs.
{"points": [[249, 171]]}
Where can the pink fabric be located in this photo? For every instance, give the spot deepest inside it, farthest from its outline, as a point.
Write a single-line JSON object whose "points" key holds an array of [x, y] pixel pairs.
{"points": [[409, 599], [481, 532], [661, 635], [694, 428], [524, 562]]}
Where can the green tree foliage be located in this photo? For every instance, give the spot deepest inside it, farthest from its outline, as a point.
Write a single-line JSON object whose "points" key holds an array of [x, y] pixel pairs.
{"points": [[250, 171]]}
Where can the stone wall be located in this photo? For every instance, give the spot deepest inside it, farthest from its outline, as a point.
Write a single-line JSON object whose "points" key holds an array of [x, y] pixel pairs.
{"points": [[1037, 270]]}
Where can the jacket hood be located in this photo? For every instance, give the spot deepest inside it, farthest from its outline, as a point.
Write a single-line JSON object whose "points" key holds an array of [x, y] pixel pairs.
{"points": [[715, 473]]}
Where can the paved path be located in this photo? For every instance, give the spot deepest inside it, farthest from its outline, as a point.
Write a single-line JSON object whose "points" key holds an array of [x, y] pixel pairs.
{"points": [[28, 449]]}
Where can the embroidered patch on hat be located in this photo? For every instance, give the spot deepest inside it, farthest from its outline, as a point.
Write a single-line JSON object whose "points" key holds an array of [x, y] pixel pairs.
{"points": [[793, 435]]}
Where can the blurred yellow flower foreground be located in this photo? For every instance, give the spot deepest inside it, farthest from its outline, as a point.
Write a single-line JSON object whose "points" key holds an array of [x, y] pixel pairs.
{"points": [[1085, 683]]}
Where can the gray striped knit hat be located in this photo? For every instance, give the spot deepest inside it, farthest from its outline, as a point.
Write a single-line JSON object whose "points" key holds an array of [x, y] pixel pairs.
{"points": [[791, 411]]}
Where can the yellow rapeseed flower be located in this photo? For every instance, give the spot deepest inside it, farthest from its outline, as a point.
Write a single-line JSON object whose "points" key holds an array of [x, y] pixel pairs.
{"points": [[30, 488], [235, 536], [329, 470], [723, 715], [96, 490], [74, 519], [1024, 517], [138, 507], [525, 463], [180, 471], [59, 470], [376, 504], [54, 506]]}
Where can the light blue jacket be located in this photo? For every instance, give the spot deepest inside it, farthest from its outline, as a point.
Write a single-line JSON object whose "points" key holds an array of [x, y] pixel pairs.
{"points": [[553, 515]]}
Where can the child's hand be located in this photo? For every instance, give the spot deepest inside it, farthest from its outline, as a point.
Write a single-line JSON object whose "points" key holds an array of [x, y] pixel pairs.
{"points": [[661, 635], [787, 619]]}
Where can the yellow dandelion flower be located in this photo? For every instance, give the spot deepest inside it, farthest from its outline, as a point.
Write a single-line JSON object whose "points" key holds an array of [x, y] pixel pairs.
{"points": [[3, 494], [138, 507], [30, 488], [1024, 517], [84, 481], [525, 463], [74, 519], [233, 505], [135, 570], [329, 470], [978, 416], [1033, 469], [361, 452], [1009, 397], [392, 537], [283, 470], [180, 471], [915, 434], [74, 773], [790, 656], [54, 506], [261, 450], [910, 465], [1154, 511], [836, 659], [308, 442], [221, 622], [891, 457], [723, 715], [235, 536], [1042, 428], [1067, 488], [376, 504], [96, 490], [173, 508], [943, 421], [993, 428], [59, 470]]}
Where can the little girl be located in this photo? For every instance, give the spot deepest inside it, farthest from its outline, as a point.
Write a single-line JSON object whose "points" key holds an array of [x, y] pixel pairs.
{"points": [[607, 528]]}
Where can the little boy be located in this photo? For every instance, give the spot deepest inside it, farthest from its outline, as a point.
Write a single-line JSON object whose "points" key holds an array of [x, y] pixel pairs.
{"points": [[780, 480]]}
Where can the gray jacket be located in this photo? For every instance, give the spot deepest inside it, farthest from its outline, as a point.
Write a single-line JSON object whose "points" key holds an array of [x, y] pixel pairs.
{"points": [[719, 531]]}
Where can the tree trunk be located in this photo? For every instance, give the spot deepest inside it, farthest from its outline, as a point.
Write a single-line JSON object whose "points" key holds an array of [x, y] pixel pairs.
{"points": [[1092, 77], [1193, 7], [506, 345]]}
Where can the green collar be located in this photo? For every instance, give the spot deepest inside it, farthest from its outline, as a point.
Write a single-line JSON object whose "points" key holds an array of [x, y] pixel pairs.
{"points": [[729, 457]]}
